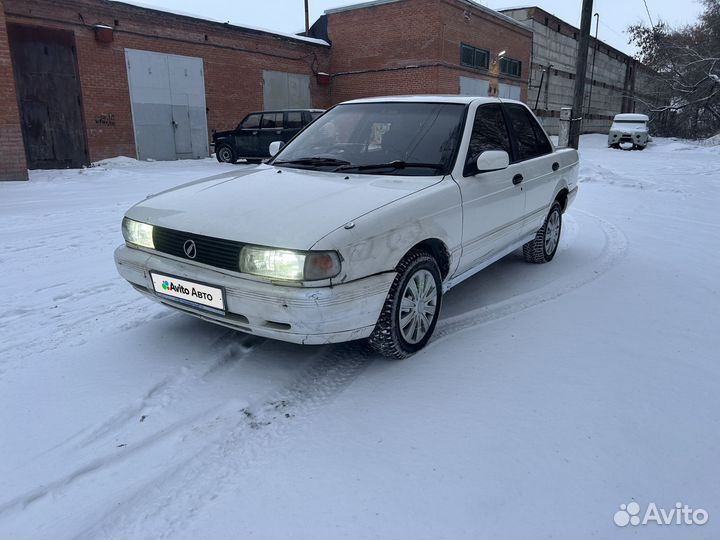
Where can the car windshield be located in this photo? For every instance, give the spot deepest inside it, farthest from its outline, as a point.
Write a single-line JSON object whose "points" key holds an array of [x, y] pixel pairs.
{"points": [[410, 139], [636, 122]]}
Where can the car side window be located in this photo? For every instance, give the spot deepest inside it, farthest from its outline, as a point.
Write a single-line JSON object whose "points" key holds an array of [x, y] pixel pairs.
{"points": [[272, 121], [294, 120], [489, 133], [530, 138], [251, 122]]}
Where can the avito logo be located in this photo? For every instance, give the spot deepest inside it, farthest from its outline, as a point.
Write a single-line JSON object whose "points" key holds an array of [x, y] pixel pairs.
{"points": [[170, 286], [681, 514]]}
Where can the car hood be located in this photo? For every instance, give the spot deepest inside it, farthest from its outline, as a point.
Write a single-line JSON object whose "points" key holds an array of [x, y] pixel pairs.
{"points": [[265, 205], [219, 134]]}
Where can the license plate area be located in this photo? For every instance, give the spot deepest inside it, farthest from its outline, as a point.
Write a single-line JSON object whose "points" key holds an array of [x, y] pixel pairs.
{"points": [[190, 292]]}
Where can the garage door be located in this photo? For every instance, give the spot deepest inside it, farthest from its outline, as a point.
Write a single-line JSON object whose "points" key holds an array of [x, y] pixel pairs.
{"points": [[167, 93], [286, 91], [508, 91], [473, 87], [48, 89]]}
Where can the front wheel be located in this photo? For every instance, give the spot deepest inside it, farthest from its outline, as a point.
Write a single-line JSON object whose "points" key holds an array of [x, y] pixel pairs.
{"points": [[411, 309], [542, 248], [225, 154]]}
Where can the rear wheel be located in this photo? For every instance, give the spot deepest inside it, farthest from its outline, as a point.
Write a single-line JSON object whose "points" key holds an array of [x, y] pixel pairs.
{"points": [[225, 154], [411, 309], [542, 248]]}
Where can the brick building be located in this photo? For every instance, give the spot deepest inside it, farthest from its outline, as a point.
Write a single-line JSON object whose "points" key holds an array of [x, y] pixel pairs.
{"points": [[425, 47], [83, 80], [91, 79]]}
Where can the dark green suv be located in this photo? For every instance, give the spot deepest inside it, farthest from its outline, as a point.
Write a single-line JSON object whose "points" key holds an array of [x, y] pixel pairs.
{"points": [[251, 139]]}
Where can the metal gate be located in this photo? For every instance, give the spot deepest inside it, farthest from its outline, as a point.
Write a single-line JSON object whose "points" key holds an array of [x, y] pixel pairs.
{"points": [[167, 93], [473, 87], [48, 87], [286, 91]]}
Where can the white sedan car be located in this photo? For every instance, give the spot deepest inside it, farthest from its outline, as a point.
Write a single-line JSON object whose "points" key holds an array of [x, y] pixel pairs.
{"points": [[359, 225]]}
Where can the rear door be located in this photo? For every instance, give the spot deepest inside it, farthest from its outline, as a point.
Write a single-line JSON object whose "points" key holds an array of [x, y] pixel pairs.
{"points": [[535, 159], [271, 129], [493, 206], [292, 125]]}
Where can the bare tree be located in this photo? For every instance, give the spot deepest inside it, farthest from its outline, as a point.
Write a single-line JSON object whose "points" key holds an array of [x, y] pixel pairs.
{"points": [[686, 72]]}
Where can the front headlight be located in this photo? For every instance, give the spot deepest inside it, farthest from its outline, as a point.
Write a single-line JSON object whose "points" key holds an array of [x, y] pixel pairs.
{"points": [[289, 265], [138, 233]]}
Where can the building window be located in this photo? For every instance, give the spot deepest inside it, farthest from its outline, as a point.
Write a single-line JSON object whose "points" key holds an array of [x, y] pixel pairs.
{"points": [[508, 66], [474, 57]]}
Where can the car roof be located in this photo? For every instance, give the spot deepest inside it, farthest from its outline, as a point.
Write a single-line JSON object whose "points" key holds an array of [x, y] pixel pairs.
{"points": [[285, 110], [632, 116], [466, 100]]}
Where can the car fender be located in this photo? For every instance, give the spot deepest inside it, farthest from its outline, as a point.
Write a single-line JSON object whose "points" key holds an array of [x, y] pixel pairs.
{"points": [[376, 242]]}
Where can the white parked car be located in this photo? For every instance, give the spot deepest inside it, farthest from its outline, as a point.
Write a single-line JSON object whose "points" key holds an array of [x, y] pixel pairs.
{"points": [[630, 130], [358, 226]]}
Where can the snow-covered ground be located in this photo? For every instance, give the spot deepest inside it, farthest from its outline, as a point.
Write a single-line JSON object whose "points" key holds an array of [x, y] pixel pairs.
{"points": [[549, 396]]}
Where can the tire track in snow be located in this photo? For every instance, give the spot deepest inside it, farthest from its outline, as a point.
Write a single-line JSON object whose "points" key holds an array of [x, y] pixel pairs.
{"points": [[85, 444], [163, 508], [615, 248]]}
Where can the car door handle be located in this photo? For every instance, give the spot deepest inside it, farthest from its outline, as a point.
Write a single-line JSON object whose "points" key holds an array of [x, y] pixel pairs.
{"points": [[517, 179], [556, 166], [254, 132]]}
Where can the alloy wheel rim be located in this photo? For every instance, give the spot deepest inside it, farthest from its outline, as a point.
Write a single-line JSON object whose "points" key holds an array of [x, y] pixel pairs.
{"points": [[552, 233], [418, 306], [225, 154]]}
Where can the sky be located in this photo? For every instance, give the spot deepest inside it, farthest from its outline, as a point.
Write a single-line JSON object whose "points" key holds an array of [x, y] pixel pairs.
{"points": [[287, 16]]}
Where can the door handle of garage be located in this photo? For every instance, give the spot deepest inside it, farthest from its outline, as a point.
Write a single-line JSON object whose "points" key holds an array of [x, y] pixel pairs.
{"points": [[556, 166], [517, 179]]}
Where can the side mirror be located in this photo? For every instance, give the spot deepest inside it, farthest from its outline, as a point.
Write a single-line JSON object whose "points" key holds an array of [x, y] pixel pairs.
{"points": [[275, 147], [492, 160]]}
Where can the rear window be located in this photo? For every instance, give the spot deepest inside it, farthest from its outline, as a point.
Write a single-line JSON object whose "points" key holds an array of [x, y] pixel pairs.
{"points": [[294, 120], [531, 140]]}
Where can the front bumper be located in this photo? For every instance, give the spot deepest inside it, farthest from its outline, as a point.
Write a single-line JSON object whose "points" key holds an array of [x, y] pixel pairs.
{"points": [[303, 315], [639, 138]]}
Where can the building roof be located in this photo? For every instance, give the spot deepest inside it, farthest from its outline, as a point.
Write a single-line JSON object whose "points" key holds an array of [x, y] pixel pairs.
{"points": [[470, 3], [253, 29]]}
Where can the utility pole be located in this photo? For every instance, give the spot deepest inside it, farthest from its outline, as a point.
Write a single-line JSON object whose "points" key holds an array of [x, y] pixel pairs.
{"points": [[580, 73], [307, 18], [592, 69]]}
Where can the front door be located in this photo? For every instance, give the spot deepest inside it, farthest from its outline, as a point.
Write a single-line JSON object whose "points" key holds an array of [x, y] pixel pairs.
{"points": [[493, 206]]}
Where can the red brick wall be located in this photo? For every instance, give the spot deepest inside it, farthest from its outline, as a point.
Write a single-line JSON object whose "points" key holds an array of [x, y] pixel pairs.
{"points": [[413, 47], [233, 61], [484, 31], [12, 151]]}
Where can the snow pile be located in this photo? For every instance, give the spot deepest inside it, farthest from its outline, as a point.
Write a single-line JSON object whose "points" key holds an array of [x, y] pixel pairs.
{"points": [[711, 141]]}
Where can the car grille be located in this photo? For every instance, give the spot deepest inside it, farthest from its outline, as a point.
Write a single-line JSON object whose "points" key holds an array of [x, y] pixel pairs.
{"points": [[211, 251]]}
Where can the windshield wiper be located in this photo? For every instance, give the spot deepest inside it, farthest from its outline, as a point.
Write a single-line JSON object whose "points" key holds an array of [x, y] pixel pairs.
{"points": [[319, 161], [397, 164]]}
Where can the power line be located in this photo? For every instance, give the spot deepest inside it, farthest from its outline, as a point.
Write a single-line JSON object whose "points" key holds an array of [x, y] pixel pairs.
{"points": [[648, 12]]}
